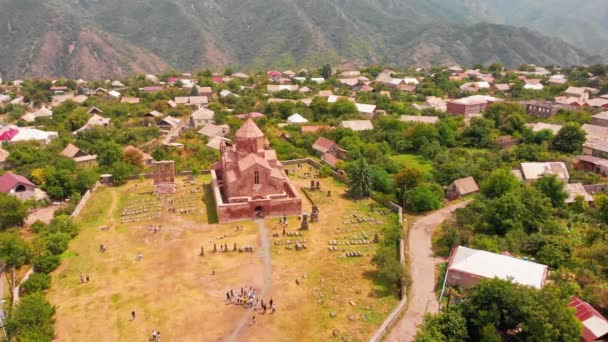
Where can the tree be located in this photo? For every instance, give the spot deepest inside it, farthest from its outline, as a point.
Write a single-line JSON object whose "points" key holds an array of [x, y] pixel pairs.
{"points": [[46, 263], [423, 198], [36, 282], [194, 91], [12, 211], [14, 253], [134, 158], [389, 269], [447, 326], [326, 71], [569, 139], [601, 206], [553, 188], [360, 179], [33, 319], [121, 171], [499, 183]]}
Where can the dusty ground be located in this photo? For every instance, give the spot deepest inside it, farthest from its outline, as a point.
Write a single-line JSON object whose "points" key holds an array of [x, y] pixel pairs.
{"points": [[421, 296], [172, 288], [43, 214]]}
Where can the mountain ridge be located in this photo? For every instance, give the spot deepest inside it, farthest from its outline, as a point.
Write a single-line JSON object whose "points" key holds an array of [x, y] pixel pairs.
{"points": [[95, 39]]}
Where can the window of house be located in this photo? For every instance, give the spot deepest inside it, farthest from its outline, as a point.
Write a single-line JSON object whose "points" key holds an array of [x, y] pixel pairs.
{"points": [[256, 177]]}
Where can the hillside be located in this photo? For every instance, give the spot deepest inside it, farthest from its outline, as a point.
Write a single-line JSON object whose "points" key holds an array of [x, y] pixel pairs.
{"points": [[98, 39]]}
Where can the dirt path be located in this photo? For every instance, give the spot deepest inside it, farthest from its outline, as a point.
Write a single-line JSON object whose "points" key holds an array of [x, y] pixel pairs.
{"points": [[421, 296], [267, 259]]}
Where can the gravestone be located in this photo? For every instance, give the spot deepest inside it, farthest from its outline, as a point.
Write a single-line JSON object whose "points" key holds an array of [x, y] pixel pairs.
{"points": [[304, 225], [314, 216]]}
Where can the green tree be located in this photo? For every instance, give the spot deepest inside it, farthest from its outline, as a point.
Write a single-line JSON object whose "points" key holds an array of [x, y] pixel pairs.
{"points": [[386, 260], [194, 91], [33, 319], [326, 71], [569, 139], [46, 263], [36, 282], [360, 180], [14, 253], [446, 326], [499, 183], [12, 211], [553, 188], [601, 207], [121, 171], [423, 198]]}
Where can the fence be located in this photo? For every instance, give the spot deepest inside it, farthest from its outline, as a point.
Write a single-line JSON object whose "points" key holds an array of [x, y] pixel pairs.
{"points": [[84, 200]]}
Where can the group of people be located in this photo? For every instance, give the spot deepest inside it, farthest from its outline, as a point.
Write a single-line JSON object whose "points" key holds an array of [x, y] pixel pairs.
{"points": [[154, 228], [155, 335], [103, 248], [84, 279], [248, 298]]}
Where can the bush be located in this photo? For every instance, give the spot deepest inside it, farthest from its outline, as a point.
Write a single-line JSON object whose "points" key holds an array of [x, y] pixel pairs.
{"points": [[36, 282], [423, 198], [57, 243], [46, 263], [32, 319]]}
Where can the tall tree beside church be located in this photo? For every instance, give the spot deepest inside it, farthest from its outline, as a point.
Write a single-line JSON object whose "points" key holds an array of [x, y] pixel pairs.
{"points": [[360, 180]]}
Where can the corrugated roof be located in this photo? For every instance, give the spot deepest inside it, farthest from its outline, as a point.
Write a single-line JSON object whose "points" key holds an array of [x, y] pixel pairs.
{"points": [[491, 265]]}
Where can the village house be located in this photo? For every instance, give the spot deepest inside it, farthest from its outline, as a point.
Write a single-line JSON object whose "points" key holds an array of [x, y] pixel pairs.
{"points": [[146, 158], [474, 87], [20, 187], [419, 119], [533, 84], [78, 156], [94, 121], [544, 109], [530, 172], [503, 87], [80, 99], [595, 132], [351, 82], [329, 151], [600, 119], [595, 326], [274, 88], [129, 99], [575, 190], [94, 110], [13, 134], [432, 102], [557, 80], [540, 126], [205, 91], [471, 105], [593, 164], [225, 93], [357, 125], [168, 122], [211, 130], [596, 148], [195, 102], [216, 142], [296, 119], [460, 188], [581, 93], [468, 266], [366, 110], [249, 180], [151, 117], [253, 115], [43, 112], [201, 117]]}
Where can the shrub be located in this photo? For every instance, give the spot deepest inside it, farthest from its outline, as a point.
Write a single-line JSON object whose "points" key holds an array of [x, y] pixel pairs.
{"points": [[46, 263], [36, 282]]}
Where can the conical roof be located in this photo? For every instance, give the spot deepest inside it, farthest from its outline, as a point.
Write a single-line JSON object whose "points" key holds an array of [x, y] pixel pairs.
{"points": [[249, 130]]}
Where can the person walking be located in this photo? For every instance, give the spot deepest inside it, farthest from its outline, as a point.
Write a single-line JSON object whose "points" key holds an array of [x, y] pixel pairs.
{"points": [[133, 315], [88, 278]]}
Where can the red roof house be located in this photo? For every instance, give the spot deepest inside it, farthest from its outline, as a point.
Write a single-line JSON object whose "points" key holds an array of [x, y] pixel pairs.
{"points": [[17, 186], [595, 326]]}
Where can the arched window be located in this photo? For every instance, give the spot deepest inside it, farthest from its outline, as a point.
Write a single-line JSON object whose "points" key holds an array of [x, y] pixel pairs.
{"points": [[256, 177]]}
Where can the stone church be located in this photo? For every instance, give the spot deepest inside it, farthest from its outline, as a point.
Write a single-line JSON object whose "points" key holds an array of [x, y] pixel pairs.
{"points": [[249, 180]]}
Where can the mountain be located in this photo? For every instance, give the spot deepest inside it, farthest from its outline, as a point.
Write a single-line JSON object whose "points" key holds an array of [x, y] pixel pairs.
{"points": [[103, 38], [582, 23]]}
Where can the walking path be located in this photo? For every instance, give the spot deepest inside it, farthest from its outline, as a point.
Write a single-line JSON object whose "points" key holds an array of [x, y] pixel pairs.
{"points": [[421, 296], [265, 253]]}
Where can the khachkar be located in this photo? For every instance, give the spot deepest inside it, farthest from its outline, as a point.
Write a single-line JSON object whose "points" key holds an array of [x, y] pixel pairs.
{"points": [[163, 173]]}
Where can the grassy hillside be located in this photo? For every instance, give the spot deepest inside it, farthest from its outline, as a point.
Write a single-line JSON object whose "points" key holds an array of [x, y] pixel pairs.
{"points": [[98, 39]]}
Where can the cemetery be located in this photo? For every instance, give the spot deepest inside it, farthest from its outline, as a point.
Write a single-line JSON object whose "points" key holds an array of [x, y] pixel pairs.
{"points": [[165, 259]]}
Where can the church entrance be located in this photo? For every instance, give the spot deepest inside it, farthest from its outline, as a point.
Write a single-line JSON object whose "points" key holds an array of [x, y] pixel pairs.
{"points": [[259, 212]]}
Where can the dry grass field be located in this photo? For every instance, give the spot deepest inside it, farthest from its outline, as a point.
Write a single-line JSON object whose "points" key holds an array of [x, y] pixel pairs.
{"points": [[172, 289]]}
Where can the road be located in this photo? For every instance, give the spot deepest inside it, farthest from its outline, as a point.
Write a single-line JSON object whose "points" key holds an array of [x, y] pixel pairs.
{"points": [[421, 296], [267, 259]]}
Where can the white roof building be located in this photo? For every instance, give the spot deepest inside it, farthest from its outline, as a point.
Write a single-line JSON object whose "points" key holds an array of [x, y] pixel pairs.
{"points": [[296, 119], [534, 171], [419, 118], [467, 265], [357, 125], [366, 109], [539, 126]]}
